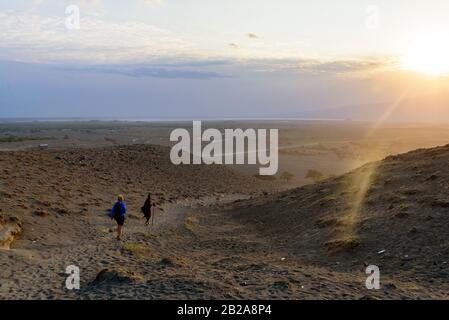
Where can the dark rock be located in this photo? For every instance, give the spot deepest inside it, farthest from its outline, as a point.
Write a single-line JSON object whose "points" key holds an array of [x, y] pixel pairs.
{"points": [[116, 275], [40, 213]]}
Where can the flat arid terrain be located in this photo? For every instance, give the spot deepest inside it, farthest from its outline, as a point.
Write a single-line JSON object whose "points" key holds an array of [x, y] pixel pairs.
{"points": [[355, 198]]}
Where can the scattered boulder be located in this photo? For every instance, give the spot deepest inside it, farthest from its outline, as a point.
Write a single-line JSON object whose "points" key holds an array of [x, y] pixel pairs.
{"points": [[402, 214], [118, 275], [440, 203], [40, 213], [282, 285], [61, 210], [171, 262], [10, 228], [5, 195]]}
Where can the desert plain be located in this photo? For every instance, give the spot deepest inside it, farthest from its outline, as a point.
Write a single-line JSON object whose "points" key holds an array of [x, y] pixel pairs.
{"points": [[347, 195]]}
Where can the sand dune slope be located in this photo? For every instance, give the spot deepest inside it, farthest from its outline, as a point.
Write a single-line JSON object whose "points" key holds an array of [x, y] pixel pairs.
{"points": [[222, 235], [393, 214], [61, 198]]}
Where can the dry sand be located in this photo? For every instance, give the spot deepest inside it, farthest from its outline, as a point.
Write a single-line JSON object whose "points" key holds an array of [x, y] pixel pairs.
{"points": [[392, 214], [329, 147], [220, 234], [61, 198]]}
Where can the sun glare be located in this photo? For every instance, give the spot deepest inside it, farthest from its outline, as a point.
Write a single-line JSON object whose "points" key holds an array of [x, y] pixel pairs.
{"points": [[429, 55]]}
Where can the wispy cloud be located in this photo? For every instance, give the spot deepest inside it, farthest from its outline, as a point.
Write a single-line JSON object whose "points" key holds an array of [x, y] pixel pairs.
{"points": [[152, 72], [38, 38], [348, 66], [33, 38], [315, 66]]}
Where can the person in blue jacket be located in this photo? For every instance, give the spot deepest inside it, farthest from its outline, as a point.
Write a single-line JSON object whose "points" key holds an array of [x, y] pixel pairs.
{"points": [[118, 213]]}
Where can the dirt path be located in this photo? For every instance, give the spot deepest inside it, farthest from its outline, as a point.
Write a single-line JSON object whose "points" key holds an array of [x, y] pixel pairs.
{"points": [[35, 267], [191, 252]]}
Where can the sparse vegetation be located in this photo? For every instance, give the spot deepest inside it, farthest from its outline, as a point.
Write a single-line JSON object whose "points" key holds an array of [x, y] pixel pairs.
{"points": [[9, 139], [190, 223], [314, 175], [286, 176], [137, 249], [145, 235], [266, 178]]}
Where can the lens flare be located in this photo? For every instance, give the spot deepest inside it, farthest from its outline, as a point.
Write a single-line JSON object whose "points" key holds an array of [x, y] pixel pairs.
{"points": [[428, 54]]}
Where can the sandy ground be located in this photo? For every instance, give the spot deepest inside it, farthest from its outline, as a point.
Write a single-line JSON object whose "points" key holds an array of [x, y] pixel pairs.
{"points": [[329, 147], [61, 198], [392, 214], [187, 254], [217, 233]]}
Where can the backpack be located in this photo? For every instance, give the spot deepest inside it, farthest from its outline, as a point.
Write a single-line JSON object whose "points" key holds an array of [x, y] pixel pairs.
{"points": [[117, 210]]}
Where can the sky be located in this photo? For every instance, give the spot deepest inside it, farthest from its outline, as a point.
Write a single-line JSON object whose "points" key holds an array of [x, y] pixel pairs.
{"points": [[225, 59]]}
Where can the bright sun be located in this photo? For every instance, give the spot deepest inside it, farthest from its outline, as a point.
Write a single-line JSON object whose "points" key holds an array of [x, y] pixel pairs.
{"points": [[429, 55]]}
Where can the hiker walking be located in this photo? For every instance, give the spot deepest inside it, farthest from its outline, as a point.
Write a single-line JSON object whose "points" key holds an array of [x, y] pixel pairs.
{"points": [[148, 210], [118, 213]]}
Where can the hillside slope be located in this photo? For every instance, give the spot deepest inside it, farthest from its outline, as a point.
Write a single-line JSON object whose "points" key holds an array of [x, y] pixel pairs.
{"points": [[308, 243], [393, 213], [74, 179]]}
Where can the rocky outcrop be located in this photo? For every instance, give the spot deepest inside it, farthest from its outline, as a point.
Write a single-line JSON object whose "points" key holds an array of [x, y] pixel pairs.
{"points": [[116, 275], [10, 228]]}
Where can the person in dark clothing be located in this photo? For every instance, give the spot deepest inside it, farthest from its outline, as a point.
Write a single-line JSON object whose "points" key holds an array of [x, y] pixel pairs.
{"points": [[147, 209], [118, 213]]}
